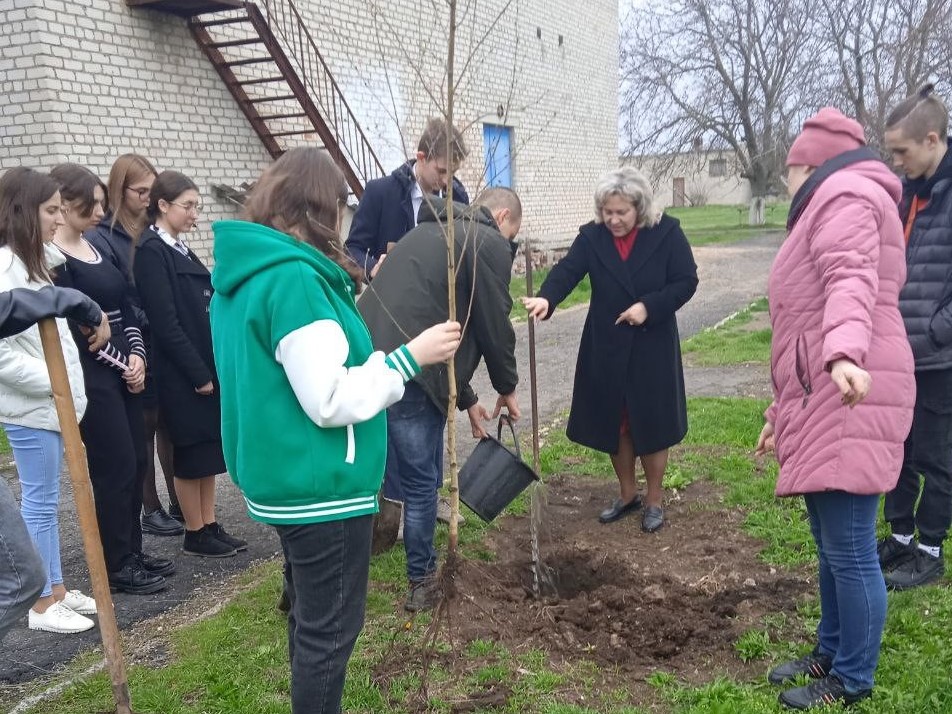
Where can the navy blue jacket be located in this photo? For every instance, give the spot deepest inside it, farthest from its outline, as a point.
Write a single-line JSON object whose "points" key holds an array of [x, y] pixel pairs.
{"points": [[926, 299], [118, 246], [385, 215]]}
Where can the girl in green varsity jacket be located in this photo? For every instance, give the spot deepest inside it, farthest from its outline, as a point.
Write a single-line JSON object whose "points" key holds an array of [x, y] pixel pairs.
{"points": [[303, 397]]}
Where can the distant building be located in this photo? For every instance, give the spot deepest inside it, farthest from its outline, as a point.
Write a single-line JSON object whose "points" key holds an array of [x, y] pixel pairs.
{"points": [[693, 178]]}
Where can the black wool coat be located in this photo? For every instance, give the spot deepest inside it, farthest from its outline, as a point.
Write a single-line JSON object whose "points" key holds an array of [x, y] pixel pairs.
{"points": [[175, 293], [625, 367]]}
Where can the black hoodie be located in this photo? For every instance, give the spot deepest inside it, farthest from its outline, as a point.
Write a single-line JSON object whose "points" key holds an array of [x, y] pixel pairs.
{"points": [[409, 294]]}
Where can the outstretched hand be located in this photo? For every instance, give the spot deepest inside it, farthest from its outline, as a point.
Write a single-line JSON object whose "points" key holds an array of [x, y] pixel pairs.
{"points": [[537, 307]]}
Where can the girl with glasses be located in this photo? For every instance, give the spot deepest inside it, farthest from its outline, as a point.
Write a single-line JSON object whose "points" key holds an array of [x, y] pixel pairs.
{"points": [[176, 289]]}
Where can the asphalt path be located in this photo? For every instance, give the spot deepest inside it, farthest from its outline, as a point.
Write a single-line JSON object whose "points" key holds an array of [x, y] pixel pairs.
{"points": [[731, 276]]}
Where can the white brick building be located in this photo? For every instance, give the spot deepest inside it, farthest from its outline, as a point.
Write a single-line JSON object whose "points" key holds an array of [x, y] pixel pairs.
{"points": [[87, 80], [694, 178]]}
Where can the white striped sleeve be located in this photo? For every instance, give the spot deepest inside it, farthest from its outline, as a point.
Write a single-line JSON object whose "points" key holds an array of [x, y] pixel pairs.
{"points": [[331, 394]]}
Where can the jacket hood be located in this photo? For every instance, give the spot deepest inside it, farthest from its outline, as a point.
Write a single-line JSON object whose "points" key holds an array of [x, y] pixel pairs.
{"points": [[879, 173], [434, 210], [243, 249], [922, 187]]}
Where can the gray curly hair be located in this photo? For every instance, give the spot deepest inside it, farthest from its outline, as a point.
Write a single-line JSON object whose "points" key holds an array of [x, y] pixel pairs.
{"points": [[629, 183]]}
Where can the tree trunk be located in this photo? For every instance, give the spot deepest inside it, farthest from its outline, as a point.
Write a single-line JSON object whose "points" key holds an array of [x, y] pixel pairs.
{"points": [[757, 215]]}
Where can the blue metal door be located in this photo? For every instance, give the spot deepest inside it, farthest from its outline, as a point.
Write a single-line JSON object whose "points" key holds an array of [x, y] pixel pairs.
{"points": [[497, 141]]}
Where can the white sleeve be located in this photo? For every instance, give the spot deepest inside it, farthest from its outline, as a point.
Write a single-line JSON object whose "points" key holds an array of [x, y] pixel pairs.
{"points": [[331, 394]]}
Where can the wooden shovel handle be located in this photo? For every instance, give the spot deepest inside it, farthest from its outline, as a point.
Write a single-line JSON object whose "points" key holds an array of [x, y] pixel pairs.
{"points": [[86, 510]]}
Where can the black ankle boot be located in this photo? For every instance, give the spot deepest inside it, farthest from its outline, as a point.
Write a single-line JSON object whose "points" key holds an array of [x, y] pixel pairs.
{"points": [[203, 543]]}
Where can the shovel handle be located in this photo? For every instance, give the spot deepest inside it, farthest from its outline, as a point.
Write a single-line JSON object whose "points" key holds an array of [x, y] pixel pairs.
{"points": [[86, 510]]}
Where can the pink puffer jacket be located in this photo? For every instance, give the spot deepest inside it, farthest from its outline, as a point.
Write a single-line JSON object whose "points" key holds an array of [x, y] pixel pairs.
{"points": [[833, 292]]}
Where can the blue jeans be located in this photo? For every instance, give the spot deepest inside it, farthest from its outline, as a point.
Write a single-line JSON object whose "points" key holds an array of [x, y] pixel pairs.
{"points": [[415, 456], [22, 573], [325, 576], [852, 590], [39, 457]]}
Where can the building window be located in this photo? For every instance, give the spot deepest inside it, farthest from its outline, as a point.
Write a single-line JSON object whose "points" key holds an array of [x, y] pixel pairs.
{"points": [[497, 142], [718, 168]]}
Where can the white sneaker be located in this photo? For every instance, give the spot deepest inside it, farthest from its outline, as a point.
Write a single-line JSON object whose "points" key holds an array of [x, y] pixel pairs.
{"points": [[444, 510], [77, 602], [59, 618]]}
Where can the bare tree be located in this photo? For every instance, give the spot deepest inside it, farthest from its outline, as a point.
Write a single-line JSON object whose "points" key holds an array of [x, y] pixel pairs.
{"points": [[738, 73], [882, 51]]}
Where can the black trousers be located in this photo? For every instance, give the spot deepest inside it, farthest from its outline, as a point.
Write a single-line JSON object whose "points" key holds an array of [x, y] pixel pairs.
{"points": [[114, 434], [926, 473], [326, 569]]}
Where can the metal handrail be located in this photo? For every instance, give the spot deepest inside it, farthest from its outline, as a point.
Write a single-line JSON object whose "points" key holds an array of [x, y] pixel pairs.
{"points": [[288, 25]]}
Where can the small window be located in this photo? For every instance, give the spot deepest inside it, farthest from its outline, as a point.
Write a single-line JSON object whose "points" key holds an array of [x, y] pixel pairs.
{"points": [[718, 168]]}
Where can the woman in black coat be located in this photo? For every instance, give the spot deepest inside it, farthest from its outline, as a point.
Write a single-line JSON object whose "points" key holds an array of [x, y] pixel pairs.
{"points": [[629, 395], [176, 289]]}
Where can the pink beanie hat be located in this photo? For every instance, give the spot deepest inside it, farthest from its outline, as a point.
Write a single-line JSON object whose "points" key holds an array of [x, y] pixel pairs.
{"points": [[826, 134]]}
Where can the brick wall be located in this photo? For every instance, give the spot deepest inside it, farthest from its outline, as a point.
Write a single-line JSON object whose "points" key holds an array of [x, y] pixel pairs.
{"points": [[87, 81]]}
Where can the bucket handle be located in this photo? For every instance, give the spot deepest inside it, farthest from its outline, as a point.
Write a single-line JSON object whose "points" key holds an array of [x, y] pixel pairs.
{"points": [[505, 418]]}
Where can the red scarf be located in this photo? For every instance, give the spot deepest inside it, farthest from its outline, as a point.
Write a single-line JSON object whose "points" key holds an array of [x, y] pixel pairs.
{"points": [[626, 243]]}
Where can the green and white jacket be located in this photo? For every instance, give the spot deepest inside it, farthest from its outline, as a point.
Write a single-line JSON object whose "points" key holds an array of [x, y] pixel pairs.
{"points": [[303, 393]]}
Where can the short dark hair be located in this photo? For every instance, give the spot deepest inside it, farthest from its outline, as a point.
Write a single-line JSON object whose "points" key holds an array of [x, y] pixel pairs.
{"points": [[433, 143], [22, 192], [498, 197], [78, 184], [920, 114], [168, 186]]}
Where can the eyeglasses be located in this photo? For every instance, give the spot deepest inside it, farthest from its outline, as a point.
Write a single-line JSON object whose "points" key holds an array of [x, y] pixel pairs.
{"points": [[190, 207], [142, 193]]}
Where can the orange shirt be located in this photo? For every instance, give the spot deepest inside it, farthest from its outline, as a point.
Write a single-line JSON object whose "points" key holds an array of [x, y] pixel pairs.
{"points": [[914, 208]]}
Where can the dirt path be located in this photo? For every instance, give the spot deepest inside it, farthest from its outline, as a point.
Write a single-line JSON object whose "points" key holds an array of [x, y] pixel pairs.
{"points": [[731, 277]]}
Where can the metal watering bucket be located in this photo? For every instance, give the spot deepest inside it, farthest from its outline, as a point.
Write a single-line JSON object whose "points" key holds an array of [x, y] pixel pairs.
{"points": [[494, 475]]}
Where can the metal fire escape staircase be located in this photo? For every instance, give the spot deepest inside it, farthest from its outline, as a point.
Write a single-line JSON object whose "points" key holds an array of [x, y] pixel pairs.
{"points": [[267, 58]]}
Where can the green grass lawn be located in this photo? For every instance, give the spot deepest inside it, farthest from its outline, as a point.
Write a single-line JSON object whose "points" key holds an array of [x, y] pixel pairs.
{"points": [[743, 339], [704, 225], [517, 289]]}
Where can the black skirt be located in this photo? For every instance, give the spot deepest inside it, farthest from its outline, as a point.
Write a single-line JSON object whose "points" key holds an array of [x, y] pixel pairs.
{"points": [[197, 461]]}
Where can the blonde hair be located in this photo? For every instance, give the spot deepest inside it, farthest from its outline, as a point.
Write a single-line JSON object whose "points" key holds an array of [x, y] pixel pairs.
{"points": [[920, 114], [629, 183], [127, 170]]}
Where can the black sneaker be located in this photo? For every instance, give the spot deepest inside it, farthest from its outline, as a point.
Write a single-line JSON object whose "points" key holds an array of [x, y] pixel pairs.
{"points": [[919, 569], [814, 665], [204, 544], [216, 530], [135, 580], [159, 523], [423, 595], [821, 693], [284, 603], [892, 552], [619, 509], [175, 511], [154, 565]]}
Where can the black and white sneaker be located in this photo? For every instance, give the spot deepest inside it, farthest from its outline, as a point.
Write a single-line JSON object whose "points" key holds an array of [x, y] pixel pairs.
{"points": [[920, 569], [892, 552]]}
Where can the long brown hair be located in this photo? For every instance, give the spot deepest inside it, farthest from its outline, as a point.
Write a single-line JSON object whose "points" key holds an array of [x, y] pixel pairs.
{"points": [[302, 193], [22, 192], [127, 170]]}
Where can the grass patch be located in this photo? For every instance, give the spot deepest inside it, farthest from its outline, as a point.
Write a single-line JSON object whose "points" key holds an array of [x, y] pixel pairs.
{"points": [[704, 225], [4, 444], [236, 661], [517, 289], [743, 339]]}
